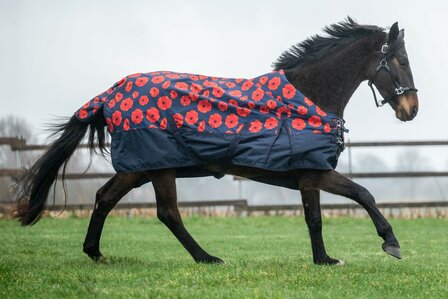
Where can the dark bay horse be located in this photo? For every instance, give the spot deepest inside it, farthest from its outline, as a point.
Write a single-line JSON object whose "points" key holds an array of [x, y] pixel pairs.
{"points": [[327, 69]]}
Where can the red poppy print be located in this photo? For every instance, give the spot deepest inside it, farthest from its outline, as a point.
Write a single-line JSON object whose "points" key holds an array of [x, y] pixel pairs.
{"points": [[154, 91], [126, 104], [271, 123], [233, 103], [271, 104], [157, 79], [314, 121], [218, 92], [96, 100], [210, 83], [320, 111], [185, 100], [191, 117], [215, 120], [243, 98], [255, 126], [308, 101], [230, 84], [152, 114], [251, 105], [181, 85], [111, 104], [126, 124], [302, 110], [264, 109], [204, 106], [223, 106], [172, 76], [247, 85], [143, 100], [206, 93], [118, 96], [242, 111], [121, 82], [196, 88], [163, 123], [166, 84], [141, 81], [327, 128], [201, 126], [193, 96], [83, 113], [135, 94], [178, 119], [235, 93], [317, 132], [274, 83], [283, 110], [137, 116], [193, 77], [116, 118], [164, 102], [298, 124], [289, 91], [173, 94], [263, 80], [128, 86], [258, 94], [231, 120]]}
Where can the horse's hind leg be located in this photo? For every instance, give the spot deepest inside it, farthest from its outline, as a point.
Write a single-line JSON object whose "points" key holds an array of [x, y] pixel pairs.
{"points": [[164, 182], [313, 218], [334, 182], [106, 199]]}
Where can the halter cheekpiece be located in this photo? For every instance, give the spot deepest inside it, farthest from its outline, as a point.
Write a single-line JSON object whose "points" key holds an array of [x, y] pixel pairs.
{"points": [[387, 51]]}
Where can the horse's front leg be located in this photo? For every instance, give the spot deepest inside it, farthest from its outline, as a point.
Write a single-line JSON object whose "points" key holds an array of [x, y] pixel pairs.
{"points": [[313, 218], [334, 182]]}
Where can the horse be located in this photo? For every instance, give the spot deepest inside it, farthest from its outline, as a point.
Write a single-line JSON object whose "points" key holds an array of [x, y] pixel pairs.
{"points": [[326, 68]]}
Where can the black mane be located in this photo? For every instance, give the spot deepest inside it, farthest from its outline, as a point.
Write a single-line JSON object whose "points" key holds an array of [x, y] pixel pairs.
{"points": [[317, 46]]}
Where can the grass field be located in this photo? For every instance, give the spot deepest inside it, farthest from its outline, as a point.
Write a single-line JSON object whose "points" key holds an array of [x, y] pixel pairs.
{"points": [[266, 257]]}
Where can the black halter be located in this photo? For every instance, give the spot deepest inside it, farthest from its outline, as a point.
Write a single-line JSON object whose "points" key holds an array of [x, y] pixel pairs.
{"points": [[387, 52]]}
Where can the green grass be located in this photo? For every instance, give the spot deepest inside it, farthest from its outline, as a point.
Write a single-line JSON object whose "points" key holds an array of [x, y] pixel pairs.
{"points": [[266, 257]]}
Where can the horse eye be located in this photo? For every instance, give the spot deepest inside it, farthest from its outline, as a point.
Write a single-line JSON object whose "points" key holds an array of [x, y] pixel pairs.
{"points": [[404, 63]]}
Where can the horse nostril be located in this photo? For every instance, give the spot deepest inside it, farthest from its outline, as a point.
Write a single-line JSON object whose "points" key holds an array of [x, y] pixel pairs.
{"points": [[414, 111]]}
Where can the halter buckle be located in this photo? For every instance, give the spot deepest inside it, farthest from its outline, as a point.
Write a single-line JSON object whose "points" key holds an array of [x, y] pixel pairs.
{"points": [[384, 48], [399, 90]]}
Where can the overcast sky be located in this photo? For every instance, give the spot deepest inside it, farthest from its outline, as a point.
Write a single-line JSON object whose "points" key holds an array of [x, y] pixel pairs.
{"points": [[56, 55]]}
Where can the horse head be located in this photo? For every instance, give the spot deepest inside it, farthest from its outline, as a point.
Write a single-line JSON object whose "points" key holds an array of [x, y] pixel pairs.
{"points": [[391, 74]]}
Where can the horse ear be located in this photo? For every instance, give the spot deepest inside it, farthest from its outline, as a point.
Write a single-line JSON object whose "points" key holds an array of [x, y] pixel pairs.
{"points": [[393, 32]]}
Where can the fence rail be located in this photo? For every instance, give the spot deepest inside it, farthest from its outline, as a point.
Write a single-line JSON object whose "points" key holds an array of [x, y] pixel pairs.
{"points": [[242, 205], [18, 144]]}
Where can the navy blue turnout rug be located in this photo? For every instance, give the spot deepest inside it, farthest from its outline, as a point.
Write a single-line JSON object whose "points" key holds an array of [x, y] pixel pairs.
{"points": [[164, 120]]}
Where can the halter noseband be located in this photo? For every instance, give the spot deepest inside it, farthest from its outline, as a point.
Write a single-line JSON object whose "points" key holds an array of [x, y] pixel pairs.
{"points": [[386, 53]]}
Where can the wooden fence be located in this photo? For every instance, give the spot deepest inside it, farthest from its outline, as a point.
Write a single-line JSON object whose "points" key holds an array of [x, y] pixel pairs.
{"points": [[241, 205]]}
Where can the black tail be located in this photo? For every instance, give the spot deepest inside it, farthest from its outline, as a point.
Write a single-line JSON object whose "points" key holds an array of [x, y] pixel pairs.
{"points": [[33, 188]]}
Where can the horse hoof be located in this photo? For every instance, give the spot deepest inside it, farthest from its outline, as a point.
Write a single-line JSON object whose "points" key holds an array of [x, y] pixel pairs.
{"points": [[210, 260], [330, 262], [340, 263], [95, 255], [392, 250]]}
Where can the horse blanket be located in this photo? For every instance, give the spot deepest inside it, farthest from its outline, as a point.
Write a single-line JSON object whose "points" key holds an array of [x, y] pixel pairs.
{"points": [[165, 119]]}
